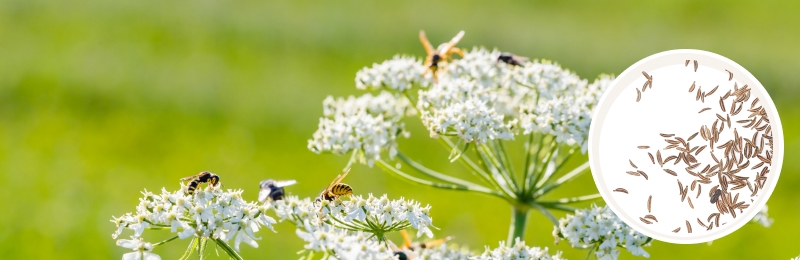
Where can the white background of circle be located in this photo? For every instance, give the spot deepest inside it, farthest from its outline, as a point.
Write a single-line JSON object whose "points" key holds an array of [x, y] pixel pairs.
{"points": [[620, 124]]}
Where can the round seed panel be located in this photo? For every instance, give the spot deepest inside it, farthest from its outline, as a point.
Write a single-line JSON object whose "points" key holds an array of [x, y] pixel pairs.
{"points": [[686, 146]]}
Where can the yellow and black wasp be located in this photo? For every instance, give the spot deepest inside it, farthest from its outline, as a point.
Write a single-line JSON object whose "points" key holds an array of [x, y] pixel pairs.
{"points": [[273, 189], [409, 250], [203, 177], [441, 53], [336, 189]]}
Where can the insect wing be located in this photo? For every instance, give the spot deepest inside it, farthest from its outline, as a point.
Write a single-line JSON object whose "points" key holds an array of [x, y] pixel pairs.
{"points": [[452, 43], [425, 42], [263, 195], [190, 177], [285, 183]]}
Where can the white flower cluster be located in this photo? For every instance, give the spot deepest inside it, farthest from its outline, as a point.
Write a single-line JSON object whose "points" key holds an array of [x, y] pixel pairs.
{"points": [[208, 213], [400, 73], [600, 227], [535, 96], [344, 244], [518, 251], [369, 124], [762, 217], [565, 106], [354, 214], [472, 120], [477, 98]]}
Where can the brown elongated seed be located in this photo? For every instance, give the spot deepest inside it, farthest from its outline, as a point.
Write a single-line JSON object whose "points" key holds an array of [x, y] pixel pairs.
{"points": [[699, 188], [754, 103], [721, 118], [712, 91], [683, 193], [699, 150], [658, 155], [692, 87], [643, 174], [643, 147], [716, 220], [621, 190], [632, 173], [730, 75], [695, 134], [711, 192], [645, 221], [634, 165], [706, 169], [690, 202], [728, 119], [678, 160], [649, 200], [704, 109], [646, 75], [651, 158], [757, 165], [688, 227], [644, 87], [695, 70], [687, 64], [701, 223], [727, 94], [648, 216], [699, 93], [694, 183], [677, 229], [671, 172], [638, 95], [722, 104], [711, 216], [670, 158], [703, 97], [666, 135]]}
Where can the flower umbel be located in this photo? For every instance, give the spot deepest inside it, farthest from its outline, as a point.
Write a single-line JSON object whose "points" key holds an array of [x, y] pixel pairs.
{"points": [[210, 214], [600, 229]]}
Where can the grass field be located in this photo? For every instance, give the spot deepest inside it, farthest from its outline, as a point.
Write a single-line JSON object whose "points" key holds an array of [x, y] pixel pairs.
{"points": [[102, 99]]}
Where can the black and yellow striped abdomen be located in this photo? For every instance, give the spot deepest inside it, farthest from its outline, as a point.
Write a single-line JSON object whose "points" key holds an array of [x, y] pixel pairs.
{"points": [[341, 189]]}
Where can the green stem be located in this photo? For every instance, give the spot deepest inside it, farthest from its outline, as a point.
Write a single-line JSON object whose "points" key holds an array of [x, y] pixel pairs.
{"points": [[571, 200], [437, 175], [475, 168], [519, 218], [225, 247], [386, 167], [496, 175], [567, 177], [165, 241]]}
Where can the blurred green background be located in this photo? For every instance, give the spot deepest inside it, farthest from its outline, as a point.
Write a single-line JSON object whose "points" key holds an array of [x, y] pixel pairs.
{"points": [[101, 99]]}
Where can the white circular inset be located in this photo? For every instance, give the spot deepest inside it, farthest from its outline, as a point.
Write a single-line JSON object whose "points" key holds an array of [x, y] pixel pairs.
{"points": [[691, 157]]}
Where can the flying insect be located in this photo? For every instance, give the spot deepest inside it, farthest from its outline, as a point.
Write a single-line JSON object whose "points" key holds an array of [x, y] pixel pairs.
{"points": [[273, 189], [441, 53]]}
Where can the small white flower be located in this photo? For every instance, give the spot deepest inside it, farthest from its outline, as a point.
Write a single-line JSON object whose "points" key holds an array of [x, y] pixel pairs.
{"points": [[141, 250]]}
